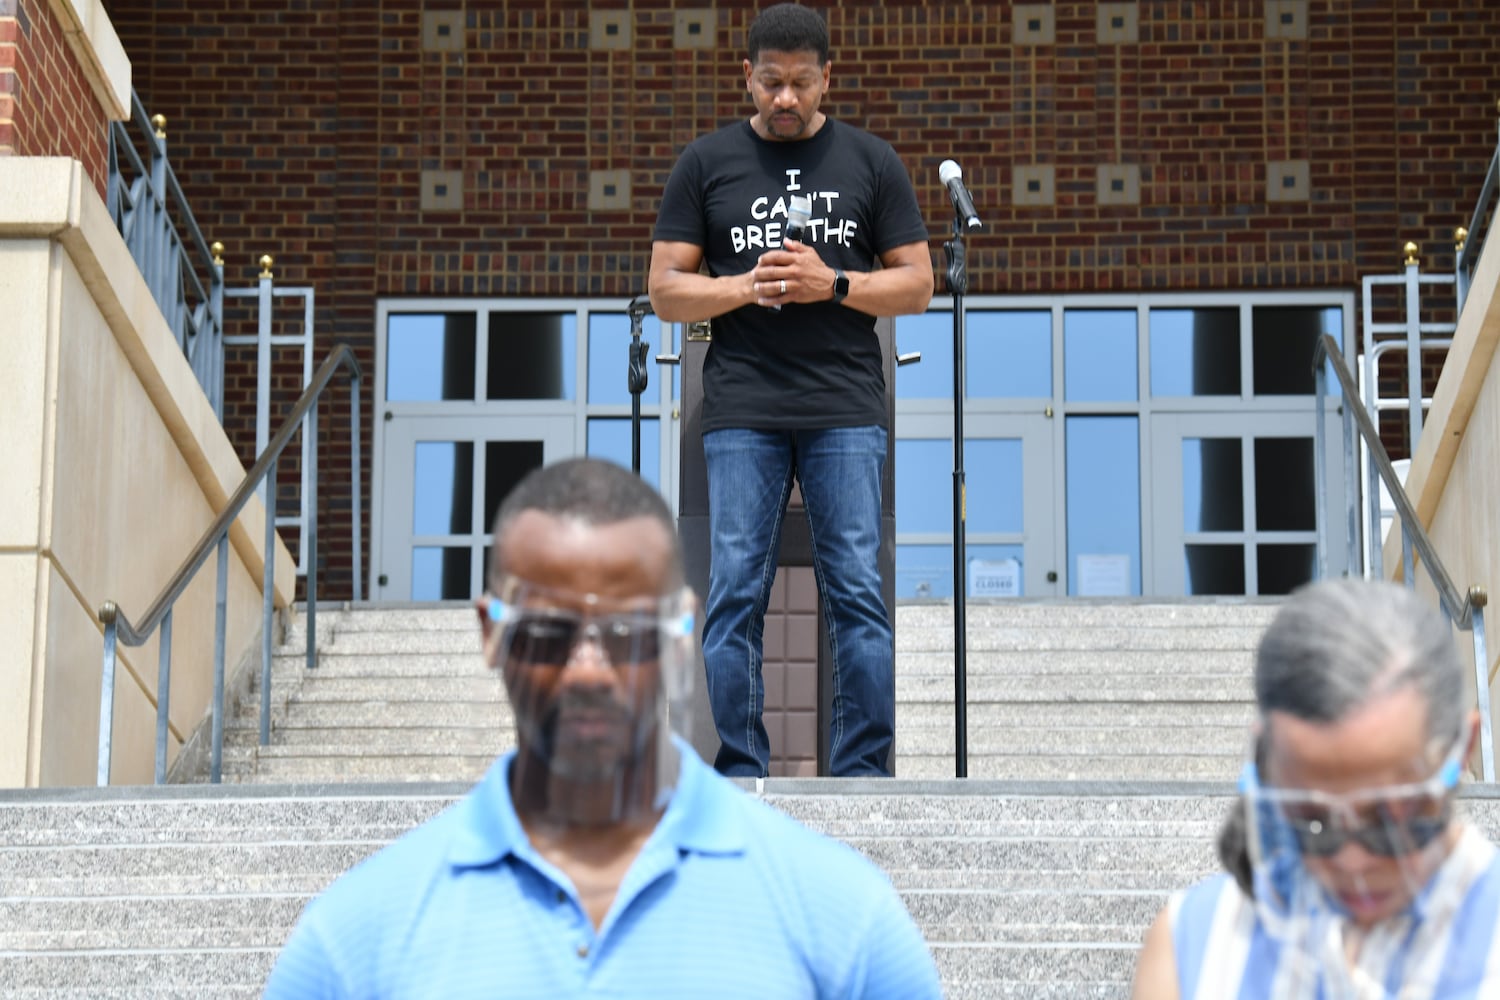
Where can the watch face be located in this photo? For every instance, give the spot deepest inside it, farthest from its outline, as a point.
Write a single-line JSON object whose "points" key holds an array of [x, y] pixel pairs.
{"points": [[840, 284]]}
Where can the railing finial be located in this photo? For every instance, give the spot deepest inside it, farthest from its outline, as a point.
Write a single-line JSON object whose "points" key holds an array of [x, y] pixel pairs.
{"points": [[1411, 254], [265, 265], [1460, 238], [217, 249], [1478, 597], [159, 122]]}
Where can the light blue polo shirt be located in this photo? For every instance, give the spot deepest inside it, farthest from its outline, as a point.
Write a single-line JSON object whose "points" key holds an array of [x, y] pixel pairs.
{"points": [[728, 899]]}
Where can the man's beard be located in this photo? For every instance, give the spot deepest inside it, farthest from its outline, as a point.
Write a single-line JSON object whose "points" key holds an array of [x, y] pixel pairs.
{"points": [[588, 736]]}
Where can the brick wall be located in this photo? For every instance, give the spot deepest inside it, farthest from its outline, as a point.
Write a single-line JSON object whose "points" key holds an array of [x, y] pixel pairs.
{"points": [[301, 129], [46, 105]]}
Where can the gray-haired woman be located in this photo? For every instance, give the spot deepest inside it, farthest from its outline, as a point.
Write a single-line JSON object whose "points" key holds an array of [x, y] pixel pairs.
{"points": [[1348, 874]]}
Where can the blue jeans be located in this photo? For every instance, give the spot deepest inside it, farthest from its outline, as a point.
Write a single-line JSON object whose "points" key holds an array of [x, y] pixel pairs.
{"points": [[749, 480]]}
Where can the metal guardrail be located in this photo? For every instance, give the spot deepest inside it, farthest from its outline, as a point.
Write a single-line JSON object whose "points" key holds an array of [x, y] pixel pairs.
{"points": [[1466, 611], [1468, 250], [147, 210], [118, 628]]}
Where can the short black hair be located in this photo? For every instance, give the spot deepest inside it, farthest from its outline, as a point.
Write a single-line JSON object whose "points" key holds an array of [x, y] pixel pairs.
{"points": [[592, 491], [789, 27]]}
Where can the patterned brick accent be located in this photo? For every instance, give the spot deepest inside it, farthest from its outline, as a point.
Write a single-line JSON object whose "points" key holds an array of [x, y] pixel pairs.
{"points": [[46, 105], [303, 129]]}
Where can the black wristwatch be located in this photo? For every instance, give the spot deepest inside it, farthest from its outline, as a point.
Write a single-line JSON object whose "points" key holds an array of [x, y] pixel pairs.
{"points": [[840, 285]]}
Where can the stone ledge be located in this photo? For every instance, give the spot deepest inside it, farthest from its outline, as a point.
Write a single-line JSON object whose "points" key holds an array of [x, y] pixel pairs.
{"points": [[100, 55]]}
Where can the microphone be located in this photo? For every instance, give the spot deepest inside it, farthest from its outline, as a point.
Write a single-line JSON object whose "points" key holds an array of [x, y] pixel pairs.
{"points": [[952, 178], [798, 212], [797, 215]]}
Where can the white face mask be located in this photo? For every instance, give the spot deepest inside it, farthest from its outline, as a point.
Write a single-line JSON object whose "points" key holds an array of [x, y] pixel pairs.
{"points": [[1339, 880]]}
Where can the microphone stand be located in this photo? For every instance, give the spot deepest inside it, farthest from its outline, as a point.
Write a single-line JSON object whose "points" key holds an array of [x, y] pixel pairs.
{"points": [[958, 284], [636, 375]]}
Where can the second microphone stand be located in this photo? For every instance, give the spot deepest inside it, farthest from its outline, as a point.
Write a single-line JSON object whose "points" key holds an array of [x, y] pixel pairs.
{"points": [[958, 284], [636, 379]]}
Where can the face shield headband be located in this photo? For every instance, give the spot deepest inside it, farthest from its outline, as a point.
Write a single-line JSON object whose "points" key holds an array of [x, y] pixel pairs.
{"points": [[1311, 892], [598, 687]]}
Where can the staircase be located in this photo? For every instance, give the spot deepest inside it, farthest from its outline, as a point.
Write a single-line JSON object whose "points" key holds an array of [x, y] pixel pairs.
{"points": [[1024, 885], [1056, 691]]}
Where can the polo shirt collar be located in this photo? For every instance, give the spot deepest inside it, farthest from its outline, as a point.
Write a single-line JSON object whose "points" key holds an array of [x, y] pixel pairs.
{"points": [[700, 817]]}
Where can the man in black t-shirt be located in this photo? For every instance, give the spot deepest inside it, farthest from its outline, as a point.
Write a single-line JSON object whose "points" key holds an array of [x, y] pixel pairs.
{"points": [[793, 383]]}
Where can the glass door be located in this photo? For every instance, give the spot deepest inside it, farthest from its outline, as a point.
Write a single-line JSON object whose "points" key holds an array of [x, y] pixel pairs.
{"points": [[1235, 506], [444, 480], [1010, 541]]}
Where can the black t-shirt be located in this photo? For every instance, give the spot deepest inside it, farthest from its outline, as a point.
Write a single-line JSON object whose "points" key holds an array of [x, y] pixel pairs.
{"points": [[808, 366]]}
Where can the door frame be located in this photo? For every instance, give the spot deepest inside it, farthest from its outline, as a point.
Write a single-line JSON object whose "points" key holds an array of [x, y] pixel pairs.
{"points": [[1168, 429], [392, 539], [1040, 529]]}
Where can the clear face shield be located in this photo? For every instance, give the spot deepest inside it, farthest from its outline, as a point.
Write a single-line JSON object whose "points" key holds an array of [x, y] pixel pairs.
{"points": [[1335, 875], [598, 686]]}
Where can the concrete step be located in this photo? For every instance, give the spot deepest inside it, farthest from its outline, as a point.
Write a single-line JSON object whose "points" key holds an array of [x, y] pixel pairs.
{"points": [[1030, 767], [344, 766], [1088, 663], [1072, 688], [1072, 612], [288, 739], [1103, 638], [393, 715], [180, 973], [1073, 741], [1146, 715]]}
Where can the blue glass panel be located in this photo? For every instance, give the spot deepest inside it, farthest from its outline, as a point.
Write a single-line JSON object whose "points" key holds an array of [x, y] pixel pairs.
{"points": [[1195, 352], [1099, 355], [441, 574], [609, 437], [443, 488], [1214, 569], [922, 466], [1212, 485], [932, 334], [1281, 342], [1009, 354], [993, 478], [533, 356], [1283, 568], [1104, 504], [927, 570], [609, 358], [429, 357]]}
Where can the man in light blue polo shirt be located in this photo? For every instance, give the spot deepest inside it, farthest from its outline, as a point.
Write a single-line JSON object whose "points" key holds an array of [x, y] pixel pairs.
{"points": [[602, 857]]}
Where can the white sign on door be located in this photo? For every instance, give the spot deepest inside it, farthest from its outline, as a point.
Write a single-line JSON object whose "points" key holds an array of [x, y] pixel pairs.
{"points": [[994, 578]]}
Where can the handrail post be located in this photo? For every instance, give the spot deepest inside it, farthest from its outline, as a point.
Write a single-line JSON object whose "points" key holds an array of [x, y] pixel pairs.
{"points": [[1320, 466], [267, 588], [216, 321], [163, 696], [1408, 560], [1482, 696], [107, 704], [310, 430], [221, 608], [263, 365], [1413, 348], [354, 457], [159, 222]]}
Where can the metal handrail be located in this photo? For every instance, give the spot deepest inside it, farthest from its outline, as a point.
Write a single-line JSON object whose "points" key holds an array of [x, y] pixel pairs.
{"points": [[119, 628], [143, 211], [1465, 611]]}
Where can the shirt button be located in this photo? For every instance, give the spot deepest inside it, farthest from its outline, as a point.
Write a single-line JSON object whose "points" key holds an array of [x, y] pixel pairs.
{"points": [[562, 897], [583, 951]]}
